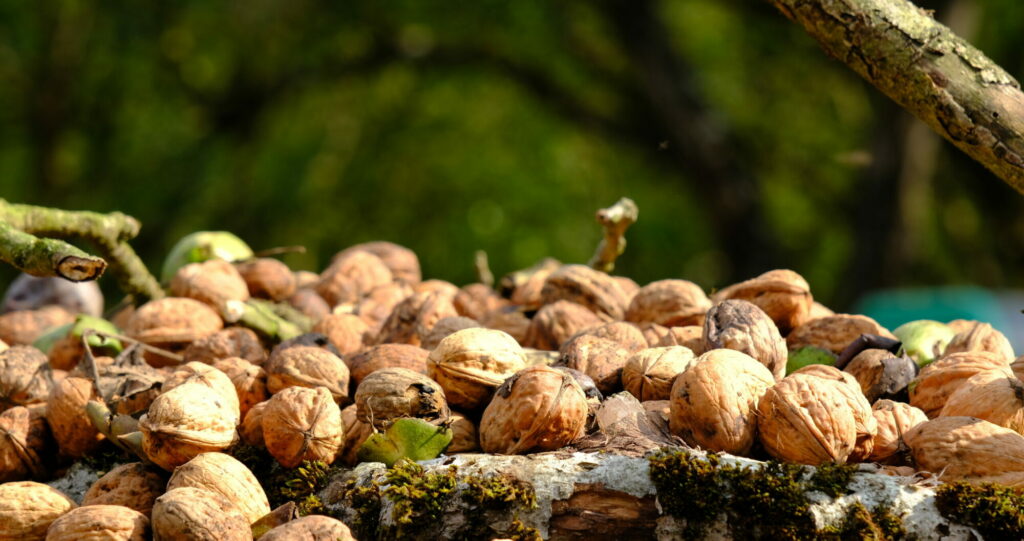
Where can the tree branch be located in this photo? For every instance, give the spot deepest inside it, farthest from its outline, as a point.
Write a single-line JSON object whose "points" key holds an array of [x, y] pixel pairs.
{"points": [[47, 257], [927, 69]]}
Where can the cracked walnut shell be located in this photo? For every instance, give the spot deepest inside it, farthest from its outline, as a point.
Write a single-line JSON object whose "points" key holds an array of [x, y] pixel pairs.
{"points": [[393, 393]]}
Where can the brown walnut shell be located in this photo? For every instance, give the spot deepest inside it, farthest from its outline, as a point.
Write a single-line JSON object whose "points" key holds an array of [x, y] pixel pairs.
{"points": [[393, 393], [557, 322], [691, 337], [209, 376], [672, 303], [742, 326], [523, 287], [25, 377], [594, 289], [834, 332], [378, 304], [172, 323], [251, 429], [465, 436], [937, 381], [819, 310], [352, 275], [66, 353], [470, 364], [627, 334], [996, 396], [307, 366], [476, 300], [27, 509], [387, 356], [249, 380], [714, 402], [267, 278], [345, 331], [310, 528], [194, 514], [22, 327], [133, 485], [403, 263], [894, 419], [213, 282], [24, 441], [224, 475], [445, 327], [414, 316], [186, 421], [302, 424], [600, 358], [96, 522], [864, 421], [782, 294], [653, 333], [310, 303], [968, 449], [650, 373], [511, 320], [981, 337], [538, 409], [881, 374], [75, 434], [230, 342], [444, 288], [356, 432]]}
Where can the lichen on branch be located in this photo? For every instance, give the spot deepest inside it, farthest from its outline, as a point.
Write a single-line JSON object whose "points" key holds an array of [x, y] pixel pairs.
{"points": [[47, 257]]}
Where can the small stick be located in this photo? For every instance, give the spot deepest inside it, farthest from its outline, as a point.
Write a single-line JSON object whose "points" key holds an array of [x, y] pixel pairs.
{"points": [[483, 269], [152, 349], [615, 220], [280, 250]]}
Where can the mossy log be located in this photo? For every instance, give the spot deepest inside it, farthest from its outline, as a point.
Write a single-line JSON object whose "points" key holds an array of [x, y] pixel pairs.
{"points": [[606, 496]]}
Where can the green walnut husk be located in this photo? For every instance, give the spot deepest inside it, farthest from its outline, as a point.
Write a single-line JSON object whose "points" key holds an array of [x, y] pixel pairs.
{"points": [[81, 324], [408, 437], [202, 246], [924, 340], [808, 355]]}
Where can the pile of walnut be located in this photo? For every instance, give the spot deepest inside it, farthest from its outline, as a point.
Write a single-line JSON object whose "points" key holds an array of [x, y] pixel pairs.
{"points": [[523, 371]]}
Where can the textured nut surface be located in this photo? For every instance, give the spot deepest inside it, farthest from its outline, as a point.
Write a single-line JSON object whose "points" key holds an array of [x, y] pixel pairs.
{"points": [[600, 358], [133, 485], [310, 303], [307, 366], [22, 327], [249, 380], [650, 373], [356, 433], [594, 289], [782, 294], [212, 282], [302, 424], [465, 436], [350, 276], [509, 319], [860, 408], [251, 429], [996, 396], [981, 337], [834, 332], [714, 402], [186, 421], [377, 305], [210, 376], [194, 514], [173, 323], [538, 409], [414, 316], [445, 327], [392, 393], [24, 441], [881, 374], [476, 300], [626, 334], [742, 326], [387, 356], [894, 419], [28, 508], [940, 379], [25, 377], [75, 434], [968, 449], [557, 322], [100, 523], [691, 336], [672, 303], [310, 528], [267, 278], [345, 331], [230, 342], [402, 262], [470, 364], [225, 475]]}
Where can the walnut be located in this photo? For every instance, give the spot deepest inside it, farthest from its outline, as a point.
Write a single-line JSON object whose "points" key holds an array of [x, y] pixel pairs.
{"points": [[24, 443], [28, 508], [345, 331], [378, 304], [302, 424], [204, 374], [224, 475], [133, 485], [864, 422], [981, 337], [834, 333], [782, 294], [307, 366], [305, 279], [392, 393], [310, 527], [267, 278], [213, 282], [465, 437], [356, 433], [186, 421], [476, 300], [115, 522], [583, 285], [691, 336], [310, 303], [996, 396], [650, 373], [653, 333], [445, 289], [557, 322], [714, 402], [470, 364], [968, 449], [387, 356], [414, 316], [881, 374], [510, 320], [25, 377], [538, 409], [445, 327], [819, 310], [350, 276], [894, 419], [742, 326], [600, 358], [524, 287], [22, 327], [230, 342], [940, 379], [402, 262], [75, 434], [251, 429], [172, 323], [626, 334], [249, 380], [194, 514], [672, 303]]}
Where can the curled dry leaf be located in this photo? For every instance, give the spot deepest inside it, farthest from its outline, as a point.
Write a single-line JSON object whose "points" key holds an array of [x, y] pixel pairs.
{"points": [[186, 421], [981, 337], [387, 356], [22, 327], [230, 342], [267, 278], [714, 402], [672, 303], [345, 331], [782, 294], [940, 379], [968, 449], [594, 289], [403, 263], [445, 327], [393, 393], [742, 326], [650, 373], [894, 419], [27, 509], [600, 358], [133, 485], [557, 322], [351, 275], [24, 441], [538, 409], [302, 424], [307, 366], [835, 332], [470, 364], [75, 434], [224, 475], [996, 396], [213, 282], [311, 527], [194, 514], [112, 522]]}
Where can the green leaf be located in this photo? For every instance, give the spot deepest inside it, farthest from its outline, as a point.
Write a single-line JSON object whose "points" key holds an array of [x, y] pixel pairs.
{"points": [[410, 438], [201, 246], [84, 323], [50, 337]]}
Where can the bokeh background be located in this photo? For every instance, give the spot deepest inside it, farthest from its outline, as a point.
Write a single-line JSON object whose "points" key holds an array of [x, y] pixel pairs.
{"points": [[502, 126]]}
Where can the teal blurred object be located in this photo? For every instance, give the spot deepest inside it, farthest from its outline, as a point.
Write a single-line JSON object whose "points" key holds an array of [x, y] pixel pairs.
{"points": [[1001, 308]]}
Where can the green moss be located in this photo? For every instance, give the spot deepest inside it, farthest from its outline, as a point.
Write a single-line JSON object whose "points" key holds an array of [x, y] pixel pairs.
{"points": [[417, 497], [689, 489], [833, 479], [995, 511], [776, 495], [106, 456], [860, 524]]}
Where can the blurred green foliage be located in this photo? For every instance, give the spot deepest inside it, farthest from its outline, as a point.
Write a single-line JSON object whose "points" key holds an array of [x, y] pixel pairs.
{"points": [[502, 126]]}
